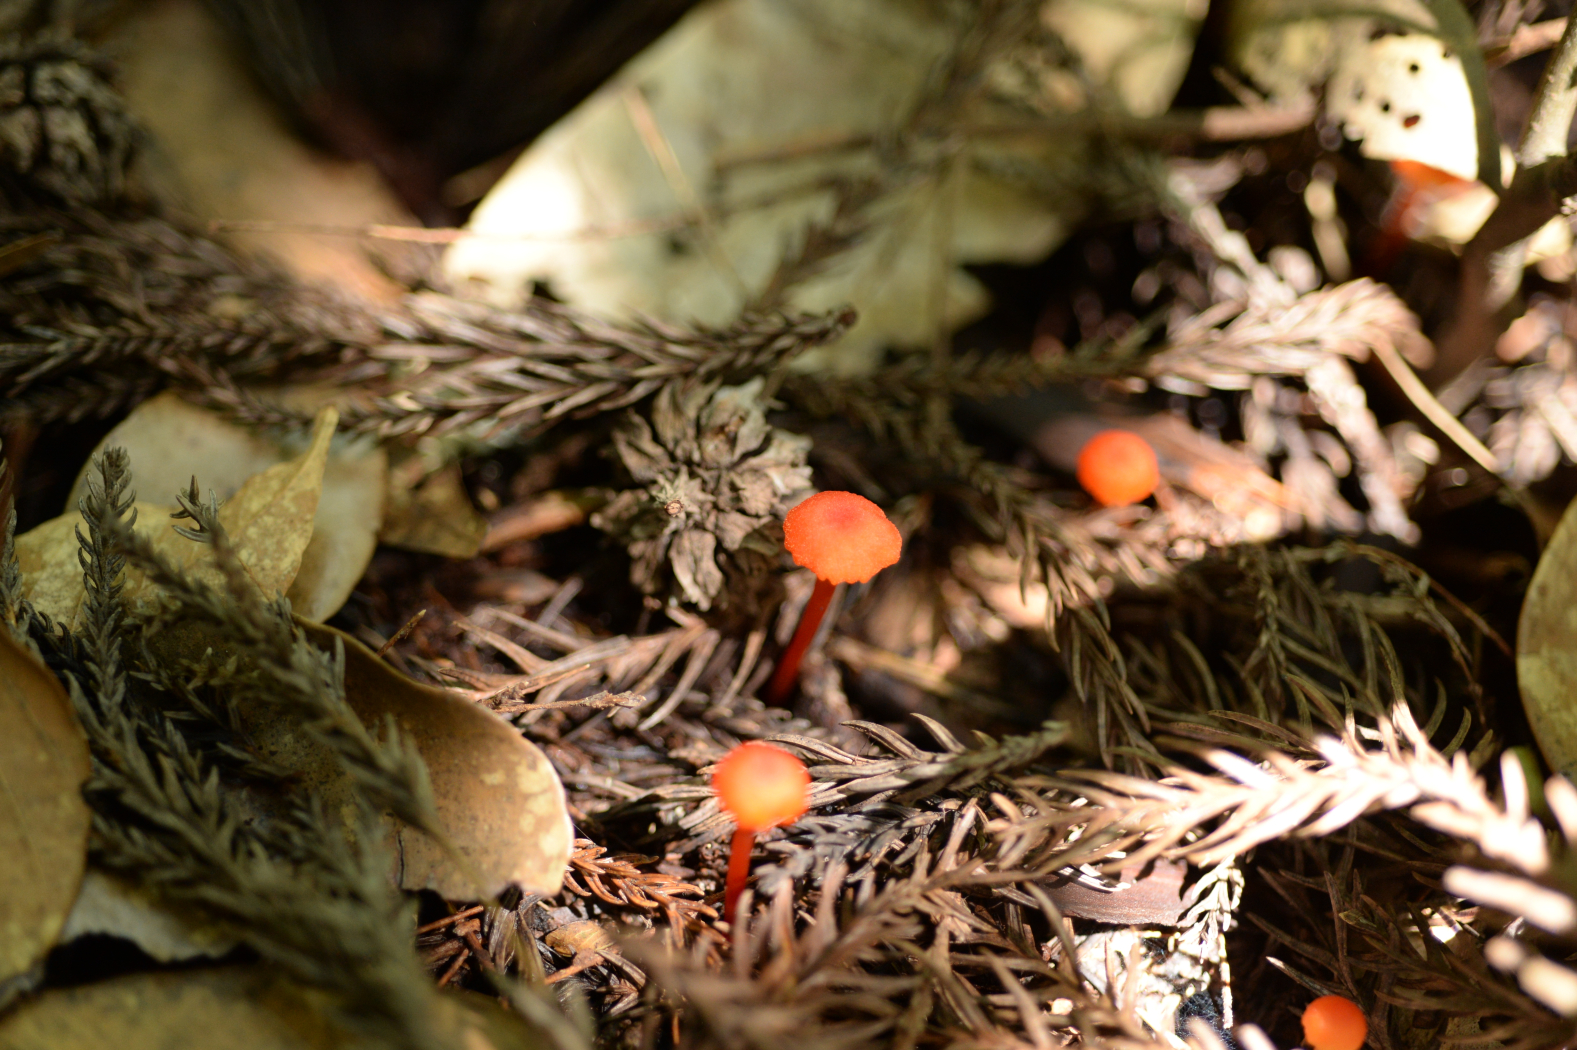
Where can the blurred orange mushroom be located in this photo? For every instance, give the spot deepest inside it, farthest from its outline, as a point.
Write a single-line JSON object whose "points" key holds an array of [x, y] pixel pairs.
{"points": [[842, 538], [761, 786], [1118, 467], [1334, 1023]]}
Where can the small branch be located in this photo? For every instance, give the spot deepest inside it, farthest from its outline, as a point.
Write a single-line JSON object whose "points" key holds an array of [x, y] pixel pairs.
{"points": [[1527, 40], [1433, 410], [1554, 106], [1493, 260]]}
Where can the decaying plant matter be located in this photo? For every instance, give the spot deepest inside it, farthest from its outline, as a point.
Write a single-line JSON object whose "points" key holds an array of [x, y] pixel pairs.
{"points": [[1117, 777]]}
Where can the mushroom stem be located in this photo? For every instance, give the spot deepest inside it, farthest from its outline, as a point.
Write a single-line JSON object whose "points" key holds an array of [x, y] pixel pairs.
{"points": [[787, 672], [738, 869]]}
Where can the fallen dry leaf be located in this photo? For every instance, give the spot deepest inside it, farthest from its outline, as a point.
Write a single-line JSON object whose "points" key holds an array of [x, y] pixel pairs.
{"points": [[498, 797], [111, 906], [43, 819], [588, 206], [220, 1009], [226, 1008], [218, 146], [1547, 648], [169, 441], [271, 519], [430, 512], [52, 576]]}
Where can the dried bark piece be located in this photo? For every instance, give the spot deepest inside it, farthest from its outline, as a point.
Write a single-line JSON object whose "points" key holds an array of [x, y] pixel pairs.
{"points": [[498, 798], [43, 819], [1152, 897]]}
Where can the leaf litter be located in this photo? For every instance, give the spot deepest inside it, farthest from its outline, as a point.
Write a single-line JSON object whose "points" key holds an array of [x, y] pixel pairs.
{"points": [[1132, 777]]}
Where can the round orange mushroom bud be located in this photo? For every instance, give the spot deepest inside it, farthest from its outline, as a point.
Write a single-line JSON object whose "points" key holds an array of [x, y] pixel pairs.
{"points": [[841, 537], [1118, 467], [761, 786], [1334, 1023]]}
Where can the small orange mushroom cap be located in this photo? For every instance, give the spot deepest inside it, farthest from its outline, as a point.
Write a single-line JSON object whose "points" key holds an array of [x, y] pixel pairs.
{"points": [[762, 786], [1118, 467], [841, 537], [1334, 1023]]}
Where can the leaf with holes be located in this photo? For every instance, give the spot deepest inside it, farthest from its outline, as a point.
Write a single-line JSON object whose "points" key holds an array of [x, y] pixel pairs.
{"points": [[1406, 97]]}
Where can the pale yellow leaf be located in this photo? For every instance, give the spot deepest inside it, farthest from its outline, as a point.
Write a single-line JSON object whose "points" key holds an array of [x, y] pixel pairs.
{"points": [[344, 530], [228, 1008], [270, 519], [112, 907], [169, 441]]}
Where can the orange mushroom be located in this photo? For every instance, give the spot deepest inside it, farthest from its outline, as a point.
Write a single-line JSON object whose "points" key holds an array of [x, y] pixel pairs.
{"points": [[1118, 467], [761, 786], [842, 538], [1333, 1023]]}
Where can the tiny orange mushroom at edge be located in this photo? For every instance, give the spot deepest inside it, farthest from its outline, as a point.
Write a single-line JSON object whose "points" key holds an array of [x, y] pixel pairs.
{"points": [[842, 538], [761, 786], [1332, 1022], [1118, 467]]}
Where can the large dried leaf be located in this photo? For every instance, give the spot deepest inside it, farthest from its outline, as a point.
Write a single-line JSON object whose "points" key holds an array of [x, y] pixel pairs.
{"points": [[1547, 648], [659, 135], [223, 1009], [271, 519], [228, 1008], [218, 148], [498, 798], [43, 819]]}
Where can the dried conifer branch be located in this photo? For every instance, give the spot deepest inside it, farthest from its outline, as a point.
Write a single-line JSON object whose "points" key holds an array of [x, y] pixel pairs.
{"points": [[1428, 960], [115, 307], [1259, 802], [286, 673], [495, 372], [915, 960], [295, 887]]}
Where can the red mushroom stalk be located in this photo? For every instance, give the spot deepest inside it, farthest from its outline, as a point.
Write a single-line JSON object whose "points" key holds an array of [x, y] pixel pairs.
{"points": [[842, 538], [761, 786]]}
